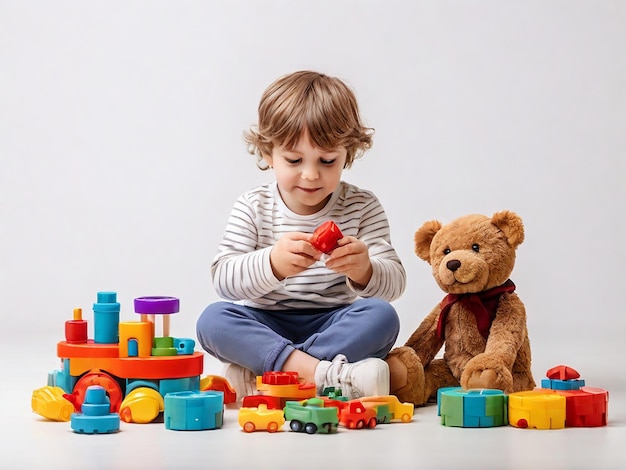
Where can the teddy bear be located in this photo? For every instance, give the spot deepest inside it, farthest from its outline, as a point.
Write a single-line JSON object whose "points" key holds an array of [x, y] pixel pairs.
{"points": [[481, 321]]}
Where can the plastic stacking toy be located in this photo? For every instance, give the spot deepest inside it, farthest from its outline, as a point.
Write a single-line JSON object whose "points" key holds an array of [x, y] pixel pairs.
{"points": [[95, 416], [479, 408], [194, 411]]}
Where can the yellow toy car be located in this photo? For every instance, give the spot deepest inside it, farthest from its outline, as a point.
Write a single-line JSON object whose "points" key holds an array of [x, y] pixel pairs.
{"points": [[399, 411], [261, 418]]}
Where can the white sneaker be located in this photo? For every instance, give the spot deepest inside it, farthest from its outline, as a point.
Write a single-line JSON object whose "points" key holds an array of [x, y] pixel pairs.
{"points": [[366, 378], [241, 379]]}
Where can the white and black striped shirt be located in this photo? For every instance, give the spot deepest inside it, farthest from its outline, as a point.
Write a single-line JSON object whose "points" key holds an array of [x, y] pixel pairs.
{"points": [[241, 269]]}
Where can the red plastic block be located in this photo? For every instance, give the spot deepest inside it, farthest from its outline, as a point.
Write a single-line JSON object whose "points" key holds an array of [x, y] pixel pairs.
{"points": [[326, 236], [562, 373]]}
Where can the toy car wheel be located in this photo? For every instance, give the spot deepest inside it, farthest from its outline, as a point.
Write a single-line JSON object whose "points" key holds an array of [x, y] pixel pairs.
{"points": [[272, 427], [249, 427], [330, 427], [295, 425], [310, 428], [405, 418], [360, 423], [372, 423]]}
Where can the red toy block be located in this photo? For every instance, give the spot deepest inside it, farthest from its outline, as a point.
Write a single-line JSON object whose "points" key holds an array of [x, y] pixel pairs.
{"points": [[326, 236], [280, 378], [562, 373], [587, 407]]}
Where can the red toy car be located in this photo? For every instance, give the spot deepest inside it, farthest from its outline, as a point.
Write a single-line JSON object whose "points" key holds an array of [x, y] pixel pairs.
{"points": [[354, 415], [326, 236]]}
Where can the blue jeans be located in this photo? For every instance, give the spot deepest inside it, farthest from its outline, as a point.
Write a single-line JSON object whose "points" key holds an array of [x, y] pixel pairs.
{"points": [[261, 340]]}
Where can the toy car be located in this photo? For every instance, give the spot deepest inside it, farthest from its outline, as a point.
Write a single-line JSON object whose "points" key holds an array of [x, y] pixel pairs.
{"points": [[260, 418], [311, 416], [399, 411], [355, 415]]}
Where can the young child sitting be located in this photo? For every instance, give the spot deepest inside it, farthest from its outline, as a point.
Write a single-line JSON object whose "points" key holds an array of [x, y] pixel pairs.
{"points": [[288, 306]]}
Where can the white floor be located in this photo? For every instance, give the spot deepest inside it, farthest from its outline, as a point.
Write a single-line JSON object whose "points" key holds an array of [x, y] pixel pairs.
{"points": [[30, 442]]}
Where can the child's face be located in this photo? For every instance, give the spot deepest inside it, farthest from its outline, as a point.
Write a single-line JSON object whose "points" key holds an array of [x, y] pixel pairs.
{"points": [[306, 175]]}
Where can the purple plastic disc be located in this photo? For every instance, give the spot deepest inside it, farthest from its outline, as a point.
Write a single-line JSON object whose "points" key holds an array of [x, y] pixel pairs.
{"points": [[157, 305]]}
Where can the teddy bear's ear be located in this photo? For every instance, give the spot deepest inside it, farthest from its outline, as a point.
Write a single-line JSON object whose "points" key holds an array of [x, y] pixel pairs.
{"points": [[423, 238], [511, 225]]}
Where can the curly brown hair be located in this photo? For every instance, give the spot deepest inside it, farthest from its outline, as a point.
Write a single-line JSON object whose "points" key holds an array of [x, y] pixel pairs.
{"points": [[325, 106]]}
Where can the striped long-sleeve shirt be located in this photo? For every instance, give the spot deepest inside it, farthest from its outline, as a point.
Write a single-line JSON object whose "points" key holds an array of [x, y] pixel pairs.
{"points": [[242, 272]]}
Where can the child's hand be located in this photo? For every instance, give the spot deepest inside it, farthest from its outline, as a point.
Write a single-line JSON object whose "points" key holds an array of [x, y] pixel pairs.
{"points": [[352, 259], [293, 254]]}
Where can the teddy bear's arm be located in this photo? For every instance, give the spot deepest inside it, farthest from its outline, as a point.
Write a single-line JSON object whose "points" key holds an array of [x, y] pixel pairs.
{"points": [[424, 339], [508, 330]]}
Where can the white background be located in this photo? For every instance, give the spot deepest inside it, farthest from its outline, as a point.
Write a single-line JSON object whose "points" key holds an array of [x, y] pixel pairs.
{"points": [[121, 148]]}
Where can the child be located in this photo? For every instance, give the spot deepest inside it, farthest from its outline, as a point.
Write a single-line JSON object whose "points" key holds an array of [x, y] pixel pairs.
{"points": [[291, 308]]}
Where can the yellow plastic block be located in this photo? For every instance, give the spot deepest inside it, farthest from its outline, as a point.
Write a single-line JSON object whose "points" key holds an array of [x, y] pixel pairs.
{"points": [[141, 406], [539, 409], [49, 402]]}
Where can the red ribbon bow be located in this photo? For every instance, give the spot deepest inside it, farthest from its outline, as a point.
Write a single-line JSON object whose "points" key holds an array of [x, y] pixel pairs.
{"points": [[482, 304]]}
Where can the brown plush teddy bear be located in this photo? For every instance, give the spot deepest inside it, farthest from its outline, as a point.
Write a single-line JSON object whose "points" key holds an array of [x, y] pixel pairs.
{"points": [[481, 321]]}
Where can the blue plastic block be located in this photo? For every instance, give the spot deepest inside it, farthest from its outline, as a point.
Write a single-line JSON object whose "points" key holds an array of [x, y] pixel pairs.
{"points": [[194, 411], [556, 384], [184, 345], [95, 416], [186, 384], [62, 378], [106, 313]]}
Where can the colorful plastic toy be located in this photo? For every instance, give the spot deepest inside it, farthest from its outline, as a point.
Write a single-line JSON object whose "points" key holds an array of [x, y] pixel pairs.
{"points": [[326, 236], [539, 409], [51, 403], [142, 405], [219, 384], [584, 406], [354, 415], [284, 385], [123, 357], [383, 415], [399, 411], [148, 307], [587, 407], [95, 416], [480, 408], [270, 402], [194, 411], [261, 418], [311, 416]]}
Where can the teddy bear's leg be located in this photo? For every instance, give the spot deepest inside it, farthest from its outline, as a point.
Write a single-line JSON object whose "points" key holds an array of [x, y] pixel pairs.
{"points": [[437, 375], [406, 375]]}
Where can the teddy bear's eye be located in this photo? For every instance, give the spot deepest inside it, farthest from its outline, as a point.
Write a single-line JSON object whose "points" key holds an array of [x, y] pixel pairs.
{"points": [[447, 251], [475, 247]]}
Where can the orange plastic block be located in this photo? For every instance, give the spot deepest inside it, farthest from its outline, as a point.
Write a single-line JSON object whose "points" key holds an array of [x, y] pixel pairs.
{"points": [[141, 332], [219, 384], [67, 350], [153, 367], [102, 379]]}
